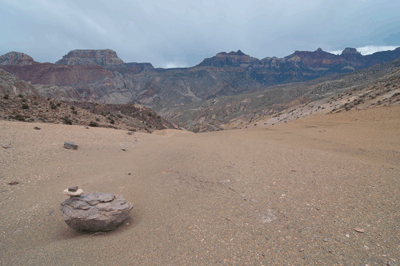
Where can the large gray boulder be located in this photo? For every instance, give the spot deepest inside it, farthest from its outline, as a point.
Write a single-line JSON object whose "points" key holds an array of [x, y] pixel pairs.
{"points": [[95, 211]]}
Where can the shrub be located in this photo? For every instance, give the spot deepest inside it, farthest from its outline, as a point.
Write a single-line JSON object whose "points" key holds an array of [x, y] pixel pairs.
{"points": [[112, 121], [97, 119], [23, 100], [25, 106], [119, 116], [93, 124], [53, 106], [74, 112], [19, 118], [20, 96], [58, 104], [66, 120], [72, 108], [5, 97]]}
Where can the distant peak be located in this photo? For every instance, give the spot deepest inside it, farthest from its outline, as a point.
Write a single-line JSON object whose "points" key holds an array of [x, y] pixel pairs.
{"points": [[319, 50], [349, 50], [16, 59]]}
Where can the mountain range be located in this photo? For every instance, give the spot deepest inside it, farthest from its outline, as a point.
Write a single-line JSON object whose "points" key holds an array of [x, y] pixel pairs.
{"points": [[100, 76]]}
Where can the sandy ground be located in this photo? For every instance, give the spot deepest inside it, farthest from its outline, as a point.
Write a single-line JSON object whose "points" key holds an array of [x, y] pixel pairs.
{"points": [[289, 194]]}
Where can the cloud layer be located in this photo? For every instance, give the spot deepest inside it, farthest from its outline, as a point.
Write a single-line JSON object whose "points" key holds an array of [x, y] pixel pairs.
{"points": [[182, 33]]}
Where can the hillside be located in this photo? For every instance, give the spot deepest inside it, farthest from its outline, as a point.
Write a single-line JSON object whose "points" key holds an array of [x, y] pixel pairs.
{"points": [[243, 110], [19, 101]]}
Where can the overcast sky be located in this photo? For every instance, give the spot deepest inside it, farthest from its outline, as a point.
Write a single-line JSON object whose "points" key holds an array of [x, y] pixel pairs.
{"points": [[184, 32]]}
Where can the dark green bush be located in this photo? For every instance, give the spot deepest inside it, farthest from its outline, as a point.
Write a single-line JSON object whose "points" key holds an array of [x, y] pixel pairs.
{"points": [[25, 106], [5, 97], [93, 124], [66, 120]]}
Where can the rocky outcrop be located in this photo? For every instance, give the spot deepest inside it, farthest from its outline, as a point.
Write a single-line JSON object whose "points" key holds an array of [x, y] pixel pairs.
{"points": [[10, 84], [105, 58], [95, 211], [15, 59]]}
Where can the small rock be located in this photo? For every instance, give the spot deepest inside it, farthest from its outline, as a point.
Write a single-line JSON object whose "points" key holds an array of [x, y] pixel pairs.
{"points": [[130, 133], [325, 239], [85, 127], [123, 149], [5, 146], [301, 250], [70, 145], [13, 183], [37, 128], [359, 230], [128, 173], [73, 188]]}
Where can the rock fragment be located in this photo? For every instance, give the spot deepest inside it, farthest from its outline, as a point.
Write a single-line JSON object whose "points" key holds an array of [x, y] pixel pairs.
{"points": [[12, 183], [70, 145], [73, 188], [359, 230], [37, 128]]}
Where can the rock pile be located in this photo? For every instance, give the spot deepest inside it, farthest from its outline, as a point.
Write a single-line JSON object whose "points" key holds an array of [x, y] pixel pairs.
{"points": [[94, 211]]}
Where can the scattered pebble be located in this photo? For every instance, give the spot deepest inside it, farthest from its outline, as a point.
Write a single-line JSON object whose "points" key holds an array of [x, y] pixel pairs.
{"points": [[128, 173], [13, 183], [325, 239], [359, 230], [37, 128], [130, 133], [5, 146], [85, 127], [123, 149]]}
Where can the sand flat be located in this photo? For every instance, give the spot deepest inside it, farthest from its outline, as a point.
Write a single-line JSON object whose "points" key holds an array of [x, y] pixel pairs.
{"points": [[290, 194]]}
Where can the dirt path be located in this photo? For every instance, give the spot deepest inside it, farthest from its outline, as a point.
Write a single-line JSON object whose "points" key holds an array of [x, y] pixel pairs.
{"points": [[290, 194]]}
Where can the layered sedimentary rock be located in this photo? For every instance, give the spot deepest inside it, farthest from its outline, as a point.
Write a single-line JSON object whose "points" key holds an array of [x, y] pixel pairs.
{"points": [[15, 59], [105, 58]]}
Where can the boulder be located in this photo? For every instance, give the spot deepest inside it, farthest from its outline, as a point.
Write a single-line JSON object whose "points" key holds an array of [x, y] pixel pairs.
{"points": [[95, 211]]}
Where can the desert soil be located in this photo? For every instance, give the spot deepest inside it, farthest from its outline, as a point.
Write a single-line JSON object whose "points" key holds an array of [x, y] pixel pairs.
{"points": [[323, 190]]}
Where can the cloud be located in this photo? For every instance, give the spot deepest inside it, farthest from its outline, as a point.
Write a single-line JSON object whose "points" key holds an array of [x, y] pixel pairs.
{"points": [[174, 65]]}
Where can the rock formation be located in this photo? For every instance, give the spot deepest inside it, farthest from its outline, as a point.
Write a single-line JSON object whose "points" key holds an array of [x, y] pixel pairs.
{"points": [[95, 211], [105, 58], [15, 59], [100, 76]]}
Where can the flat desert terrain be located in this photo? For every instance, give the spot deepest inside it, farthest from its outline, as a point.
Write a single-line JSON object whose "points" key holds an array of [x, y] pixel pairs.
{"points": [[321, 190]]}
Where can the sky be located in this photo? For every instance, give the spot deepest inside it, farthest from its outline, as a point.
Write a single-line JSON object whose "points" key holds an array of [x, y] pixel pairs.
{"points": [[181, 33]]}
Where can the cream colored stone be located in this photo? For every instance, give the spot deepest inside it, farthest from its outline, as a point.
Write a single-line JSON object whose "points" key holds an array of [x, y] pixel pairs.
{"points": [[70, 193]]}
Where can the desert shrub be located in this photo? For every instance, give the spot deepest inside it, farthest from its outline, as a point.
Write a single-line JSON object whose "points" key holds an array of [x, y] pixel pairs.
{"points": [[19, 117], [25, 106], [93, 124], [34, 97], [53, 106], [149, 114], [119, 116], [58, 104], [34, 103], [97, 119], [72, 108], [112, 121], [66, 120], [5, 97], [20, 96], [74, 112], [23, 100]]}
